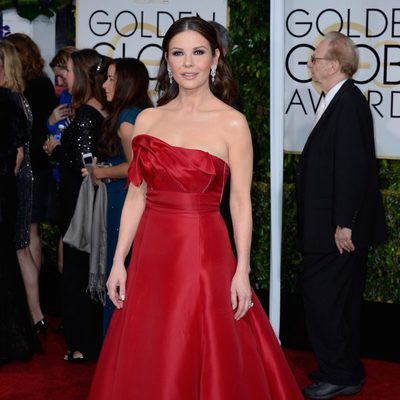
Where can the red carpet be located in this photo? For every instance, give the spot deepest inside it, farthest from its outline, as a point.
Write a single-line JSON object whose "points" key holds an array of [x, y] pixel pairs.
{"points": [[382, 378], [49, 377]]}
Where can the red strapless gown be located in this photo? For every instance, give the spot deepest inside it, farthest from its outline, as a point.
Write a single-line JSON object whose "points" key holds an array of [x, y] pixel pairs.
{"points": [[176, 338]]}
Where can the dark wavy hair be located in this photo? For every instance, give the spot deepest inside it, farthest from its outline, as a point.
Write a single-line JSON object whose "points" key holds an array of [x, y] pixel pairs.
{"points": [[224, 87], [131, 90], [29, 54], [90, 70]]}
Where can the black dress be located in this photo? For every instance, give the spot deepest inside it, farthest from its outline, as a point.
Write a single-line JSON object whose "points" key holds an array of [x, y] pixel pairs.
{"points": [[15, 332], [42, 100], [81, 315], [24, 177]]}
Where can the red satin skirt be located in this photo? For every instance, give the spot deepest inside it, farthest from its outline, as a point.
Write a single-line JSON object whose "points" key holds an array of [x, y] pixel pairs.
{"points": [[176, 337]]}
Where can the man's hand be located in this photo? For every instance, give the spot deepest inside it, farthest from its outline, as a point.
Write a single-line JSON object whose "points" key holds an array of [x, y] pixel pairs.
{"points": [[343, 239]]}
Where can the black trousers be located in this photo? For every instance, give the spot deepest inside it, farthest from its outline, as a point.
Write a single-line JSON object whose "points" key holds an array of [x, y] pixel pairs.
{"points": [[82, 316], [332, 287]]}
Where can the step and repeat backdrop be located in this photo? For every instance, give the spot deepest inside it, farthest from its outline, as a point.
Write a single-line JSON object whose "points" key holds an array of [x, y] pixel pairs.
{"points": [[376, 32], [135, 28]]}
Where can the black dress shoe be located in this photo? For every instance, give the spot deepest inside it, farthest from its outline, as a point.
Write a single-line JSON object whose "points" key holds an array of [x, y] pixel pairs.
{"points": [[317, 376], [324, 391]]}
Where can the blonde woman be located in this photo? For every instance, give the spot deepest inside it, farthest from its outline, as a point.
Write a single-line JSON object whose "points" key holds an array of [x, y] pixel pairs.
{"points": [[39, 91], [15, 209], [13, 80]]}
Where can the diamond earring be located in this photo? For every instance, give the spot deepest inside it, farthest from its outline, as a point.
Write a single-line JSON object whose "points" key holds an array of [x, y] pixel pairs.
{"points": [[213, 73], [169, 75]]}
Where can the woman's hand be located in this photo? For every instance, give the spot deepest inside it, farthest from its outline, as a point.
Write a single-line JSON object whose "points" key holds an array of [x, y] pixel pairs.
{"points": [[84, 172], [96, 172], [59, 113], [50, 144], [116, 284], [241, 294]]}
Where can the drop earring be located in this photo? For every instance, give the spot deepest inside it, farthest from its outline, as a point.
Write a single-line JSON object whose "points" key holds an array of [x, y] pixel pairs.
{"points": [[213, 73], [169, 75]]}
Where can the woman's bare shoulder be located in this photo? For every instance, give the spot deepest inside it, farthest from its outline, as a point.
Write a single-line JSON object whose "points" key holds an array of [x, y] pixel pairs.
{"points": [[229, 114], [146, 119], [147, 114], [234, 122]]}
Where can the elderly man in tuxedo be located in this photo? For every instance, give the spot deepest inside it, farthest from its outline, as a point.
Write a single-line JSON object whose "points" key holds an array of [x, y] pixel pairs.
{"points": [[340, 215]]}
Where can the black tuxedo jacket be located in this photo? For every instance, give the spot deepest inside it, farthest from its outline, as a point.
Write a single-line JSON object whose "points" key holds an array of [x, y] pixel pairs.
{"points": [[337, 176]]}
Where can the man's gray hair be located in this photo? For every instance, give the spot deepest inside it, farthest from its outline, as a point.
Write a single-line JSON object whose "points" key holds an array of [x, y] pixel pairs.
{"points": [[343, 49]]}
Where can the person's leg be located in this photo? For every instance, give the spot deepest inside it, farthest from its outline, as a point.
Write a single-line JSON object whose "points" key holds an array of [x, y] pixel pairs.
{"points": [[30, 275], [35, 245], [352, 316], [82, 327], [328, 286]]}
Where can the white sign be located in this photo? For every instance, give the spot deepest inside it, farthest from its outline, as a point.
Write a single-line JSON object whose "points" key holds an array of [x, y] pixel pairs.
{"points": [[135, 28], [42, 30], [376, 32]]}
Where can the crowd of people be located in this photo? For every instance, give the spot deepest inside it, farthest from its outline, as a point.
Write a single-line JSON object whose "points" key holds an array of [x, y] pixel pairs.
{"points": [[42, 169], [152, 276]]}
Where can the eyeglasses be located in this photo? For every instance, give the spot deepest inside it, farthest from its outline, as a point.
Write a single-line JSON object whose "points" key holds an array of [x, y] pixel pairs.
{"points": [[314, 59]]}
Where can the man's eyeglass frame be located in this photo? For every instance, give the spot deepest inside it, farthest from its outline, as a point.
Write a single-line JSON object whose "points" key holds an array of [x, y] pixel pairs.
{"points": [[314, 59]]}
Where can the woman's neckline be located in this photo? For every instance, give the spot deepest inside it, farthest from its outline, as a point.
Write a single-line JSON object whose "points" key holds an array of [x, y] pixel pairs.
{"points": [[181, 147]]}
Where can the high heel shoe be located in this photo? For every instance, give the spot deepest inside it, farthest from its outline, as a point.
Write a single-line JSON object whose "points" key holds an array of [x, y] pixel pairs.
{"points": [[40, 326], [38, 332], [74, 357]]}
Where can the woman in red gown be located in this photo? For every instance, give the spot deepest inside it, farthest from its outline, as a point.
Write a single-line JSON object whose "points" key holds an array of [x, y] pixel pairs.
{"points": [[187, 324]]}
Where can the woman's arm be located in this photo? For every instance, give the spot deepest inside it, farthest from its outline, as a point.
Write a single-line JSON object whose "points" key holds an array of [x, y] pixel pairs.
{"points": [[131, 214], [121, 170], [132, 211], [79, 138], [241, 166], [19, 158]]}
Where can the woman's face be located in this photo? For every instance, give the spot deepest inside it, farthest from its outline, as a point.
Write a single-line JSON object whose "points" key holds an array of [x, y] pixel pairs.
{"points": [[109, 84], [69, 76], [61, 76], [190, 58]]}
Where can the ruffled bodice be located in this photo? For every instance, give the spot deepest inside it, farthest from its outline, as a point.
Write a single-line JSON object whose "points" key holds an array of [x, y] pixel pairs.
{"points": [[175, 169]]}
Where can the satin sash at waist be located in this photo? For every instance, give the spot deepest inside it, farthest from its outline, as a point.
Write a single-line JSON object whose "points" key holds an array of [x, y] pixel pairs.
{"points": [[182, 202]]}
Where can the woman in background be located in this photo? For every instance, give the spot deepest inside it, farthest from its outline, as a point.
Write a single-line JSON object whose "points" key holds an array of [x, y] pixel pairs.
{"points": [[30, 272], [15, 327], [60, 117], [61, 113], [86, 71], [39, 91], [126, 90]]}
